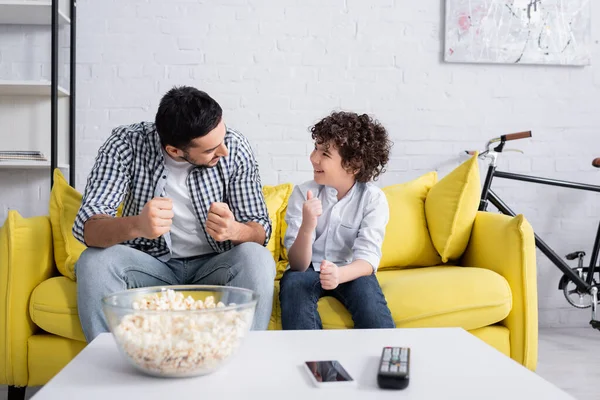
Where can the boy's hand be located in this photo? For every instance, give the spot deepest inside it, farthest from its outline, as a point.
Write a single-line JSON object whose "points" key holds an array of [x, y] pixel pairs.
{"points": [[221, 223], [330, 275], [156, 218], [311, 210]]}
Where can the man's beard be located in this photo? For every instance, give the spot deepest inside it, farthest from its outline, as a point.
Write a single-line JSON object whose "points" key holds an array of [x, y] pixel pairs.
{"points": [[186, 157]]}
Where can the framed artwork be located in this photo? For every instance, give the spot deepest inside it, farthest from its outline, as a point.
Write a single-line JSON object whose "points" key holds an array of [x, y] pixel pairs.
{"points": [[556, 32]]}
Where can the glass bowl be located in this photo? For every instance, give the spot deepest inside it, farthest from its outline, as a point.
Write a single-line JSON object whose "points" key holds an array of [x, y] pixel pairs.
{"points": [[180, 331]]}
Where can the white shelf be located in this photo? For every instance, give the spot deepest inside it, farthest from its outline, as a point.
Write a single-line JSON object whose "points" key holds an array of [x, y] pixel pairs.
{"points": [[29, 88], [27, 164], [19, 12]]}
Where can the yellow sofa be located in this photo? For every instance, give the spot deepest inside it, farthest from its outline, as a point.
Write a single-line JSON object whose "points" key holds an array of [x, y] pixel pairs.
{"points": [[444, 264]]}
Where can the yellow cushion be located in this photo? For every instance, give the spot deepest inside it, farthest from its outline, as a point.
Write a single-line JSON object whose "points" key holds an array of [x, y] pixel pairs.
{"points": [[434, 297], [276, 198], [64, 205], [53, 307], [450, 208], [407, 241]]}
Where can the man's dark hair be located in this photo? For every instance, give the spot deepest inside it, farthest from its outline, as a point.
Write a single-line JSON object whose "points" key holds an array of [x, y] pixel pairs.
{"points": [[186, 113], [362, 142]]}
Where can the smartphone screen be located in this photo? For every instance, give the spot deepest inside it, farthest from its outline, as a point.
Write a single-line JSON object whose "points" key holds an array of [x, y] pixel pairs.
{"points": [[328, 371]]}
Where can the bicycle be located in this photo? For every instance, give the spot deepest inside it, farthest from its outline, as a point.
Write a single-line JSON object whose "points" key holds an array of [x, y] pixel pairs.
{"points": [[578, 284]]}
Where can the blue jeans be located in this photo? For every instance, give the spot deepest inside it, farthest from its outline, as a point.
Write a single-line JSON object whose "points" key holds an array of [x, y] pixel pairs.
{"points": [[300, 292], [101, 272]]}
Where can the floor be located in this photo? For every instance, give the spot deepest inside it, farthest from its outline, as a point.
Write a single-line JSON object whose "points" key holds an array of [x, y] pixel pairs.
{"points": [[568, 357]]}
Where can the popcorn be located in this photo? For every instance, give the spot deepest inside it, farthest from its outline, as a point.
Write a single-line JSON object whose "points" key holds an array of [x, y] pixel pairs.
{"points": [[181, 343]]}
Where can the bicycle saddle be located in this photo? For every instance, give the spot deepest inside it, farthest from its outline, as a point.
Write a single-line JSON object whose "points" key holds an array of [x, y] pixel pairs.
{"points": [[596, 162], [575, 255]]}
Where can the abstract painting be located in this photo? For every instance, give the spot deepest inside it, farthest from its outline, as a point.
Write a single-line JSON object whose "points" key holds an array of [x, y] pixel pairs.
{"points": [[518, 31]]}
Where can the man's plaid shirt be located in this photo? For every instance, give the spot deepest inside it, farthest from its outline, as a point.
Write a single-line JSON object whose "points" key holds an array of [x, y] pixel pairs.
{"points": [[130, 168]]}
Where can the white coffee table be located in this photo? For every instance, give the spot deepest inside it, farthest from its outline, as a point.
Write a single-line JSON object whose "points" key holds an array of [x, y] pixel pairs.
{"points": [[446, 364]]}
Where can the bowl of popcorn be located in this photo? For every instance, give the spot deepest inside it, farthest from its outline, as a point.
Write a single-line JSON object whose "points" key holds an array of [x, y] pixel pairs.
{"points": [[180, 331]]}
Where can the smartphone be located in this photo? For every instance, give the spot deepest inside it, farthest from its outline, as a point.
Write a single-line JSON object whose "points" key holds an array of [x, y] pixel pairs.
{"points": [[328, 374]]}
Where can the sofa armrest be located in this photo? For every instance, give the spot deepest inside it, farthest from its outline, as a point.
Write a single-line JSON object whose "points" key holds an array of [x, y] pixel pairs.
{"points": [[506, 245], [26, 260]]}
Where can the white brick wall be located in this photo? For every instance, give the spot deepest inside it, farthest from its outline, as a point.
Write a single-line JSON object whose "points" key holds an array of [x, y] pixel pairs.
{"points": [[278, 66]]}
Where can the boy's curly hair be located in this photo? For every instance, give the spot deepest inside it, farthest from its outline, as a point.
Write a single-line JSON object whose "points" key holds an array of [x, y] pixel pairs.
{"points": [[361, 141]]}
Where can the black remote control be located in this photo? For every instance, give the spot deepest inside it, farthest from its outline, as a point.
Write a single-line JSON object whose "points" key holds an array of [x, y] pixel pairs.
{"points": [[394, 368]]}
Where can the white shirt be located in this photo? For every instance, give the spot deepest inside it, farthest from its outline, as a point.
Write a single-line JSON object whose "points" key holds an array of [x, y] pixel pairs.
{"points": [[350, 229], [186, 235]]}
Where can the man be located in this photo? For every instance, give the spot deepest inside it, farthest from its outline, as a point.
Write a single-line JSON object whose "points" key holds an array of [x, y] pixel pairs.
{"points": [[193, 211]]}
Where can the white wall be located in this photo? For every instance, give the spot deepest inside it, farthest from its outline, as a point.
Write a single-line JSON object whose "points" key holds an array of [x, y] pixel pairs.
{"points": [[276, 67]]}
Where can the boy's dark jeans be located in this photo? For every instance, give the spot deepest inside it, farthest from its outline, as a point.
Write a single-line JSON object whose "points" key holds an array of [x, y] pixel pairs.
{"points": [[300, 292]]}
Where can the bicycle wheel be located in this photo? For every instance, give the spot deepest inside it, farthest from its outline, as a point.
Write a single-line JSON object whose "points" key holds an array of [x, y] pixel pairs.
{"points": [[574, 296]]}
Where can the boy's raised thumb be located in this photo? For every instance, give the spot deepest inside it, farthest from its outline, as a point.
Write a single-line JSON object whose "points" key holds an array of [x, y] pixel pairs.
{"points": [[309, 195]]}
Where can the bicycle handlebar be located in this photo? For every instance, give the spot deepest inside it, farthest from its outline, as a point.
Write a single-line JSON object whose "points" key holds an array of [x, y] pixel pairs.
{"points": [[500, 141], [516, 136], [506, 138]]}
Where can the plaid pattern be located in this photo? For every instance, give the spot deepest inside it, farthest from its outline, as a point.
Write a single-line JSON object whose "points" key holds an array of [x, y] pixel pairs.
{"points": [[130, 166]]}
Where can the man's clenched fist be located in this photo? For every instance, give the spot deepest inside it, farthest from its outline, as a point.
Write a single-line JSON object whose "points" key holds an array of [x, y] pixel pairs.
{"points": [[156, 218], [221, 223]]}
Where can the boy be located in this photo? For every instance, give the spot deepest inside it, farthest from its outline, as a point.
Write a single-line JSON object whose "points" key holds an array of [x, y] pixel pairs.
{"points": [[336, 224]]}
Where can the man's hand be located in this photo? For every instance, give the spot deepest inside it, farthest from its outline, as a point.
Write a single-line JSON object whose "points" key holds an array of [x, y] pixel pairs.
{"points": [[330, 275], [156, 218], [221, 223], [311, 211]]}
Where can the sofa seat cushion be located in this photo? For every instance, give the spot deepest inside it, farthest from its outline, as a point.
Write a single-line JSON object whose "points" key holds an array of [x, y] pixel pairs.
{"points": [[441, 296], [470, 298], [53, 307]]}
